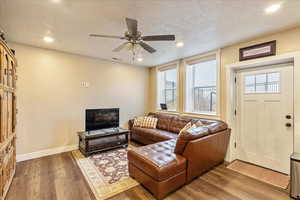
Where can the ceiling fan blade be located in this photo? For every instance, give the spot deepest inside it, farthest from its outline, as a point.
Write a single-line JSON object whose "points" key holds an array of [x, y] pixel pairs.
{"points": [[147, 47], [159, 38], [132, 26], [106, 36], [126, 45]]}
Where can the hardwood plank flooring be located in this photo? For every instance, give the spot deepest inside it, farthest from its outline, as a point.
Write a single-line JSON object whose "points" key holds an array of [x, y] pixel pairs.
{"points": [[57, 177]]}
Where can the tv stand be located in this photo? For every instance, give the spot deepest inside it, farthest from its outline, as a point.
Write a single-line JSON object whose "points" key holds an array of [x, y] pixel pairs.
{"points": [[102, 140]]}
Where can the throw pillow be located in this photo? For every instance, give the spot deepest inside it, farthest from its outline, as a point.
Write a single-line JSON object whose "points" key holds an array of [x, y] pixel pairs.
{"points": [[149, 122], [138, 121], [186, 127], [199, 123]]}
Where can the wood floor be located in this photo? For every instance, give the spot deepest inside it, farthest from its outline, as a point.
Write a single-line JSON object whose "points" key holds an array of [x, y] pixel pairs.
{"points": [[57, 177]]}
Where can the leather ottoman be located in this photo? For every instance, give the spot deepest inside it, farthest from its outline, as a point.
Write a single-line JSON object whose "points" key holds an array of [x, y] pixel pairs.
{"points": [[157, 167]]}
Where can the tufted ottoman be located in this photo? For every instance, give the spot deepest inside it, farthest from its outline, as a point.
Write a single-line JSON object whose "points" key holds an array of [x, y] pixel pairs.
{"points": [[157, 167]]}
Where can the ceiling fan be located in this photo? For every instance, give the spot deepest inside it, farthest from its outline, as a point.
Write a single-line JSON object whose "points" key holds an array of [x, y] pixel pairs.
{"points": [[135, 38]]}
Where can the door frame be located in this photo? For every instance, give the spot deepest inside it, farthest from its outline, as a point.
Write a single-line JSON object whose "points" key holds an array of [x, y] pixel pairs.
{"points": [[231, 95]]}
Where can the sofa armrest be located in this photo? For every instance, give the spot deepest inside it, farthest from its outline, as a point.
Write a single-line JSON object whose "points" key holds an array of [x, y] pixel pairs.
{"points": [[130, 124], [204, 153], [217, 126], [189, 135]]}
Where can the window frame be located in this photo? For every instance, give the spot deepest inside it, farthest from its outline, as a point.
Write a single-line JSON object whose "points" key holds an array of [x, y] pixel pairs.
{"points": [[202, 58], [172, 65]]}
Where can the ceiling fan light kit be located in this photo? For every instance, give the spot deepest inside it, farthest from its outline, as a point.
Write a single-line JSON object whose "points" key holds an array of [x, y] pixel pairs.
{"points": [[135, 38]]}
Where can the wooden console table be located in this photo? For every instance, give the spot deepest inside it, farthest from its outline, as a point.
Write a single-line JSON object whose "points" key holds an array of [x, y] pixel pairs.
{"points": [[101, 140]]}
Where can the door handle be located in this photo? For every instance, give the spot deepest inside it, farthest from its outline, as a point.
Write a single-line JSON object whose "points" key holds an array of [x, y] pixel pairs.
{"points": [[288, 125]]}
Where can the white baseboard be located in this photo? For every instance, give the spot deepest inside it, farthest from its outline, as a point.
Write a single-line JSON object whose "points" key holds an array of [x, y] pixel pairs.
{"points": [[46, 152]]}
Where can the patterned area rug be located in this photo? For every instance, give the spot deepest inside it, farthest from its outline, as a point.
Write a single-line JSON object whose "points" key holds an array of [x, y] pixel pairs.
{"points": [[106, 173]]}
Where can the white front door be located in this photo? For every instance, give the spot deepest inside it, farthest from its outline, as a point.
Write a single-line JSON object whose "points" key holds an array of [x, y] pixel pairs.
{"points": [[265, 117]]}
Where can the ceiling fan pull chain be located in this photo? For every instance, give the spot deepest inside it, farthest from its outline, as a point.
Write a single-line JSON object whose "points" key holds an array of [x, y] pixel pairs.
{"points": [[133, 54]]}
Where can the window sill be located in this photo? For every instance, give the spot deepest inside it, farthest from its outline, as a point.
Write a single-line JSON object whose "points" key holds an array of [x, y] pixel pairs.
{"points": [[192, 114], [203, 114], [168, 111]]}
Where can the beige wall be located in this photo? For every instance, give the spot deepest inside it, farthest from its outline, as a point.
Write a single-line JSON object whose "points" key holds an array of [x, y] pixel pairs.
{"points": [[152, 90], [287, 41], [52, 102]]}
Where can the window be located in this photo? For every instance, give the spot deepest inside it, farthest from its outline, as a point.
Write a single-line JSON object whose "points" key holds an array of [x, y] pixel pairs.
{"points": [[201, 87], [262, 83], [167, 88]]}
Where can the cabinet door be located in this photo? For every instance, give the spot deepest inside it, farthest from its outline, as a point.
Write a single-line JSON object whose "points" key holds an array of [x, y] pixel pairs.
{"points": [[3, 115], [14, 113], [5, 68], [14, 75], [8, 72], [9, 114], [1, 64], [2, 133]]}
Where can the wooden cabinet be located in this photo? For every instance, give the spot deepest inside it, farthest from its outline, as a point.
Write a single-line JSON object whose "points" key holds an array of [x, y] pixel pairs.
{"points": [[8, 118]]}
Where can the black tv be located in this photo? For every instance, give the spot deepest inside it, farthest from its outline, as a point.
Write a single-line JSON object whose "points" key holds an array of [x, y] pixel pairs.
{"points": [[96, 119]]}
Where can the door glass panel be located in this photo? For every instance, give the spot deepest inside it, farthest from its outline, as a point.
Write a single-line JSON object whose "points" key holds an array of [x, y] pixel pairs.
{"points": [[249, 84], [273, 84], [262, 83]]}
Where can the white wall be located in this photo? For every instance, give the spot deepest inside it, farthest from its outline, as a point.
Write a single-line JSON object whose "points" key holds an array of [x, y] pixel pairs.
{"points": [[52, 102]]}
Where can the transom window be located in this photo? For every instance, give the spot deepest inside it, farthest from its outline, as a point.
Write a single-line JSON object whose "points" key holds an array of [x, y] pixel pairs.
{"points": [[167, 88], [262, 83], [201, 87]]}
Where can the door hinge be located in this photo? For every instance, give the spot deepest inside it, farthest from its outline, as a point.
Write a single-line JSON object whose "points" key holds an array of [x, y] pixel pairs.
{"points": [[235, 145], [234, 79], [235, 112]]}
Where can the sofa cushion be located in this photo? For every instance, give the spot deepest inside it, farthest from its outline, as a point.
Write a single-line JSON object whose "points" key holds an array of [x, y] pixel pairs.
{"points": [[217, 127], [164, 121], [178, 123], [188, 135], [155, 135], [158, 160]]}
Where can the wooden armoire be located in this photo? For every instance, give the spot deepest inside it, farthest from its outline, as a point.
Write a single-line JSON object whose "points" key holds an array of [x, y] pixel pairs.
{"points": [[8, 113]]}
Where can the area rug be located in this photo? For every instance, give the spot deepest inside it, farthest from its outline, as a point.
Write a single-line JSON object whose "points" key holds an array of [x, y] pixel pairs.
{"points": [[262, 174], [106, 173]]}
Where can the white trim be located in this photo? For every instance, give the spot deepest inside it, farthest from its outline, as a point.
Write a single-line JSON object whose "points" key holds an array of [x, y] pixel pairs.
{"points": [[289, 57], [46, 152], [161, 68], [167, 66], [231, 70], [213, 54], [204, 56]]}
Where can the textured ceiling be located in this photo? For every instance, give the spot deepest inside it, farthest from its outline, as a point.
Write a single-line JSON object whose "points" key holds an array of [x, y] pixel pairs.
{"points": [[203, 25]]}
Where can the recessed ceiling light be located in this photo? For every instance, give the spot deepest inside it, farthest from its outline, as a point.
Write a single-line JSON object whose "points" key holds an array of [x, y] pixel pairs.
{"points": [[140, 59], [179, 44], [48, 39], [56, 1], [273, 8]]}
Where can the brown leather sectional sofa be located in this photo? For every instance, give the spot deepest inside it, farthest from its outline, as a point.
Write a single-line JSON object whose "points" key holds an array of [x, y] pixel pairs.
{"points": [[159, 168]]}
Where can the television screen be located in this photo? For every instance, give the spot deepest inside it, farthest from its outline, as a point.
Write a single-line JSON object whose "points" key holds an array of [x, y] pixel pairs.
{"points": [[96, 119]]}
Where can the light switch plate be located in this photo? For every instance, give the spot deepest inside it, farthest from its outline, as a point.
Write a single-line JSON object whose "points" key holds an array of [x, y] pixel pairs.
{"points": [[85, 84]]}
